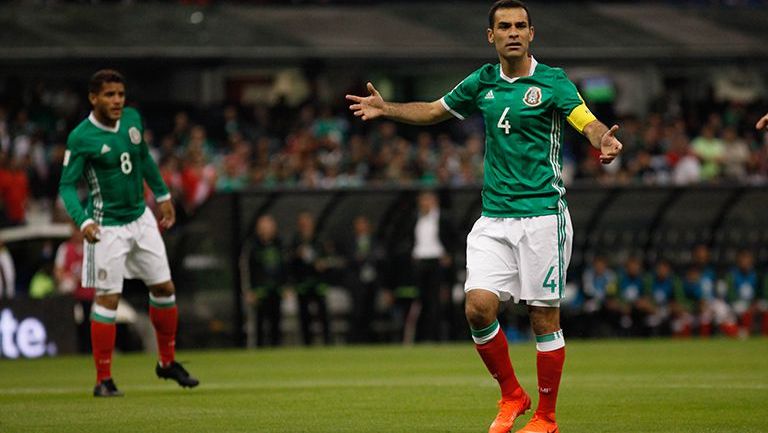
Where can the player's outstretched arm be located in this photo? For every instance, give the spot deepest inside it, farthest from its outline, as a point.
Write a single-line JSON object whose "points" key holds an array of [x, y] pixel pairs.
{"points": [[762, 123], [604, 139], [415, 113]]}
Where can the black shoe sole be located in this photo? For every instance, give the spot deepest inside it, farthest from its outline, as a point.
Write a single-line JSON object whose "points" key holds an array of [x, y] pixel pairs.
{"points": [[181, 384]]}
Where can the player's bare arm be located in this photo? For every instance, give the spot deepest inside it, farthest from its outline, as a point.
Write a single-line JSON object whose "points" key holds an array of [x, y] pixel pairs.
{"points": [[603, 139], [168, 214], [762, 123], [414, 113]]}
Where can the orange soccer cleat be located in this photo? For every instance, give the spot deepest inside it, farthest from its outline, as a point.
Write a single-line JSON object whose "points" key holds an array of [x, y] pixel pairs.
{"points": [[508, 411], [539, 425]]}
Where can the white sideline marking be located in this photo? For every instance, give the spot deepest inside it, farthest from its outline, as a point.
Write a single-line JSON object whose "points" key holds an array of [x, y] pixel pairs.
{"points": [[466, 381]]}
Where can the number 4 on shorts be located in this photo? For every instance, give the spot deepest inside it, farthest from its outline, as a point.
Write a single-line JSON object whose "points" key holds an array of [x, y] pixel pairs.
{"points": [[550, 284]]}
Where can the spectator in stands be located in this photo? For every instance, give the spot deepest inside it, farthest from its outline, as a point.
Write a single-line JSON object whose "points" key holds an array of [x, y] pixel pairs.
{"points": [[434, 240], [746, 293], [7, 273], [231, 176], [181, 127], [711, 150], [268, 276], [67, 272], [363, 259], [14, 188], [685, 165], [198, 178], [310, 265], [736, 155]]}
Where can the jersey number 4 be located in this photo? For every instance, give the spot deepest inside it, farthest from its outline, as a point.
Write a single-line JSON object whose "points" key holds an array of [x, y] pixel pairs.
{"points": [[550, 284], [504, 122], [125, 163]]}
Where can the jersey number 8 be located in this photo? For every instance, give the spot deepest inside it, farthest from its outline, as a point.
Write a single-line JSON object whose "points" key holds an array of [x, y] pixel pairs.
{"points": [[125, 163]]}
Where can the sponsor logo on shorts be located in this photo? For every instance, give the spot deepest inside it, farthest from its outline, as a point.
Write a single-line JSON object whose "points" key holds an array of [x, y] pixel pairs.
{"points": [[135, 135]]}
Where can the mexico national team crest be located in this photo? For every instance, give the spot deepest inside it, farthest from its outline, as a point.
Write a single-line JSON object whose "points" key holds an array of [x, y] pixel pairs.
{"points": [[102, 274], [135, 135], [532, 96]]}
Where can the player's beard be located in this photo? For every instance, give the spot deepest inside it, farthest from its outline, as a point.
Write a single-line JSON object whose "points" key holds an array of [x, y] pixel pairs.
{"points": [[110, 114]]}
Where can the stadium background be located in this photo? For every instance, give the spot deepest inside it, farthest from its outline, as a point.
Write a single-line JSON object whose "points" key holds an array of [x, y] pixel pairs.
{"points": [[250, 94]]}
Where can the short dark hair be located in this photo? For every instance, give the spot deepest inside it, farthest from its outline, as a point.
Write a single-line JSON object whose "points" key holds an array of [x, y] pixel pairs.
{"points": [[507, 4], [104, 76]]}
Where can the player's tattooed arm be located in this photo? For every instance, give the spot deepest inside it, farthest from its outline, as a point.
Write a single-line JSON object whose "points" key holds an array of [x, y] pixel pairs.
{"points": [[604, 139], [415, 113]]}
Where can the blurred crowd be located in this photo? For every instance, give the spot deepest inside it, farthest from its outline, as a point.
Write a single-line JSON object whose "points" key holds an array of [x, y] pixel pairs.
{"points": [[317, 145], [365, 286], [634, 298], [397, 294]]}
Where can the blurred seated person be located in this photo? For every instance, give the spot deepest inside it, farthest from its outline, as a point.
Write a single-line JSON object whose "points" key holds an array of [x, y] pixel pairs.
{"points": [[746, 294], [600, 292], [666, 292], [637, 303], [707, 308]]}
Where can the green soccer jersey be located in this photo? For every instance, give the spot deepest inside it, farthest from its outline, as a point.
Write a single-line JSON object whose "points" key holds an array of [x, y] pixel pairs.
{"points": [[523, 136], [115, 163]]}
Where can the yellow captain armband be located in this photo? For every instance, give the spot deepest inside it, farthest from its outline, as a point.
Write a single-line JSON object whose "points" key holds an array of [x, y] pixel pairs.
{"points": [[581, 117]]}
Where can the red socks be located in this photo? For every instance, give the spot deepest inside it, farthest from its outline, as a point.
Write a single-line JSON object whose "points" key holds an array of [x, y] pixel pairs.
{"points": [[492, 346], [549, 366], [164, 316], [103, 332]]}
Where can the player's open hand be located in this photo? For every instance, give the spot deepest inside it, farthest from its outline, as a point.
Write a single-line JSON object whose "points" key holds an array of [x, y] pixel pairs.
{"points": [[91, 233], [762, 123], [610, 146], [368, 107], [168, 214]]}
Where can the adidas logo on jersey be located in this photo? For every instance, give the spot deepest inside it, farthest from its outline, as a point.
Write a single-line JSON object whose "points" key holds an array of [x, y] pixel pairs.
{"points": [[105, 149], [489, 95]]}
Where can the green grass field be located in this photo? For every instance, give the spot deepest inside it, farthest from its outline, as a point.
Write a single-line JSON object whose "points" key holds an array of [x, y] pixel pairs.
{"points": [[608, 386]]}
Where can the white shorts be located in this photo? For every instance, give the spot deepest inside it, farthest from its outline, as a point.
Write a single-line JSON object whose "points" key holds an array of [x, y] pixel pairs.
{"points": [[520, 258], [133, 250]]}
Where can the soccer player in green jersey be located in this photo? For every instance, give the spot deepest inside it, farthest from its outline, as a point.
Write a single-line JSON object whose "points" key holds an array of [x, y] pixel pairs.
{"points": [[520, 247], [122, 239]]}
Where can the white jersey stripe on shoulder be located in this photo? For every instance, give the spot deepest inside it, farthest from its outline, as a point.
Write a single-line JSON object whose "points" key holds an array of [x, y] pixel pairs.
{"points": [[451, 110]]}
